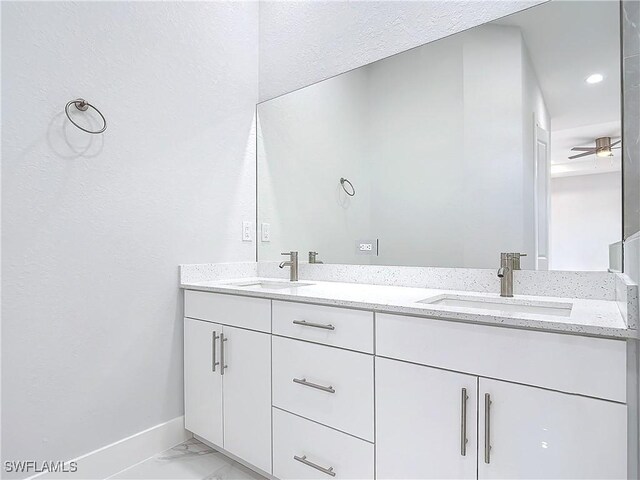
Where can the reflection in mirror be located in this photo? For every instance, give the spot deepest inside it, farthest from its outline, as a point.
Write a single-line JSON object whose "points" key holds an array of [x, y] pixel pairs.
{"points": [[502, 138]]}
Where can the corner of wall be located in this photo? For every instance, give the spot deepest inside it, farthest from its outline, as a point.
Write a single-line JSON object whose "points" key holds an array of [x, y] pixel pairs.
{"points": [[632, 257]]}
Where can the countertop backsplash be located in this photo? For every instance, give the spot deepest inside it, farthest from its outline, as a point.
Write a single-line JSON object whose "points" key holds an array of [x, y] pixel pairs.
{"points": [[585, 285]]}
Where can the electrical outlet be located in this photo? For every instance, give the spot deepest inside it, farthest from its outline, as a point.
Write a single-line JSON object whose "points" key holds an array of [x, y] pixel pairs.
{"points": [[265, 230], [366, 246], [246, 231]]}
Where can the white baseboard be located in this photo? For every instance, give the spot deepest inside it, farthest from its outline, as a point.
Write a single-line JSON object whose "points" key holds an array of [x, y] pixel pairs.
{"points": [[111, 459]]}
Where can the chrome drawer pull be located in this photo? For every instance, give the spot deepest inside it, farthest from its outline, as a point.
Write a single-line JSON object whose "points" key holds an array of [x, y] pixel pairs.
{"points": [[214, 337], [316, 325], [487, 428], [223, 363], [303, 459], [303, 381], [463, 424]]}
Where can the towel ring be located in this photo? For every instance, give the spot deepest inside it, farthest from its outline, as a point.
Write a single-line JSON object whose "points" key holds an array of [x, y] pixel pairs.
{"points": [[82, 105], [353, 190]]}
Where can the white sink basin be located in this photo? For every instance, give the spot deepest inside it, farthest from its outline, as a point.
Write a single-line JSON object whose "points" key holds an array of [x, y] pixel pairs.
{"points": [[560, 309], [270, 285]]}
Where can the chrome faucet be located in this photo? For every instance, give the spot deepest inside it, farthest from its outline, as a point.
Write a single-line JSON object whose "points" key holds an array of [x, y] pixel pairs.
{"points": [[293, 263], [508, 263], [313, 257]]}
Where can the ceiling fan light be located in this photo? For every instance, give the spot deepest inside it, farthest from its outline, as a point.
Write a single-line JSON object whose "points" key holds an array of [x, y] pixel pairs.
{"points": [[603, 147], [605, 152]]}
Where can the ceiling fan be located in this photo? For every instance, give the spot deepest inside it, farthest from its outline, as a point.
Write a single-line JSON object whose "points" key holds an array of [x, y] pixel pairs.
{"points": [[602, 148]]}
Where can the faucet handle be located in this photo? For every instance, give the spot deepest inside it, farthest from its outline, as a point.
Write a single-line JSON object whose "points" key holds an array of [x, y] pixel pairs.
{"points": [[516, 260], [313, 257]]}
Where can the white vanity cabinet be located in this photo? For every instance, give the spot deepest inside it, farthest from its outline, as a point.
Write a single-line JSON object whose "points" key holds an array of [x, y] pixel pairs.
{"points": [[202, 380], [523, 431], [323, 392], [246, 396], [228, 376], [528, 432], [593, 367], [340, 327], [320, 392], [328, 385], [425, 422], [308, 450]]}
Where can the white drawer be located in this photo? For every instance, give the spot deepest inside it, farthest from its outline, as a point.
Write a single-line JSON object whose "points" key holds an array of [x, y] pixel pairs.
{"points": [[234, 310], [340, 327], [332, 386], [347, 456], [589, 366]]}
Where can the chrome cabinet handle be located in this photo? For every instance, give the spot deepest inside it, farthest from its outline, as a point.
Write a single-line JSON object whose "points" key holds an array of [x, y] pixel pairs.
{"points": [[303, 381], [223, 365], [303, 459], [463, 424], [316, 325], [487, 428], [214, 337]]}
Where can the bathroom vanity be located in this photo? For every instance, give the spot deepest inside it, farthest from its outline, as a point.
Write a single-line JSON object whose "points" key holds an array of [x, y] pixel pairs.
{"points": [[324, 379], [445, 166]]}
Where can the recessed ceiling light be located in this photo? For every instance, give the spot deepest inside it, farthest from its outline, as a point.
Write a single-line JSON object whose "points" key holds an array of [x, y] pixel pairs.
{"points": [[594, 78]]}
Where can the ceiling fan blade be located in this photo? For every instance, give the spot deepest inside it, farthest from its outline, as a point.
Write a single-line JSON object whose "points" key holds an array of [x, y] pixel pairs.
{"points": [[584, 149], [586, 154], [616, 143]]}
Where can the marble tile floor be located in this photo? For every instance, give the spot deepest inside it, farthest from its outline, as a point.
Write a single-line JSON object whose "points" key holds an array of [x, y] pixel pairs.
{"points": [[191, 460]]}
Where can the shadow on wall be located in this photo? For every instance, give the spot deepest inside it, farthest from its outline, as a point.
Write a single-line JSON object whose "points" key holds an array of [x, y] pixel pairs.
{"points": [[69, 142]]}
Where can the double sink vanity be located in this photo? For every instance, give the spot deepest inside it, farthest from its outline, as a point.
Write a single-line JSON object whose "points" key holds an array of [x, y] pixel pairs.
{"points": [[330, 379], [411, 353]]}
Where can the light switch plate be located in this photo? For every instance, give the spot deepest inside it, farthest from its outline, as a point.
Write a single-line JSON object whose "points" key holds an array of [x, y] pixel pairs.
{"points": [[265, 230], [246, 231]]}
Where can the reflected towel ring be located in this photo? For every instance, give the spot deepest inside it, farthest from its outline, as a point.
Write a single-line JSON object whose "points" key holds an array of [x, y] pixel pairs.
{"points": [[353, 190], [82, 105]]}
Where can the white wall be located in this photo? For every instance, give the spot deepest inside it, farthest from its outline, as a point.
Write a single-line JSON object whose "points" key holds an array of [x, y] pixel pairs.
{"points": [[304, 42], [94, 227], [586, 217]]}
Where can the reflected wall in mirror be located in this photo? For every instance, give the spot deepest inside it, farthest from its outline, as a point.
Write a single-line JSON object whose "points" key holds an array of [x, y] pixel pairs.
{"points": [[502, 138]]}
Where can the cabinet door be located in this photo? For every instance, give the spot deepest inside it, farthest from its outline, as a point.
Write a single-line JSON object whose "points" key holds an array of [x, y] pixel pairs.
{"points": [[422, 422], [247, 396], [535, 433], [202, 380]]}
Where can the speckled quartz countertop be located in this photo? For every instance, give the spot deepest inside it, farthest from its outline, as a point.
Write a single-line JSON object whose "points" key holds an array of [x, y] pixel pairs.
{"points": [[600, 318]]}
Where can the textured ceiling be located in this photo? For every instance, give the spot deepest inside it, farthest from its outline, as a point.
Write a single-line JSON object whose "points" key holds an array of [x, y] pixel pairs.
{"points": [[304, 42]]}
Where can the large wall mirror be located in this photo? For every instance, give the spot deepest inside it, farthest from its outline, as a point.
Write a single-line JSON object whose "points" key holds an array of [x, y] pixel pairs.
{"points": [[503, 138]]}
